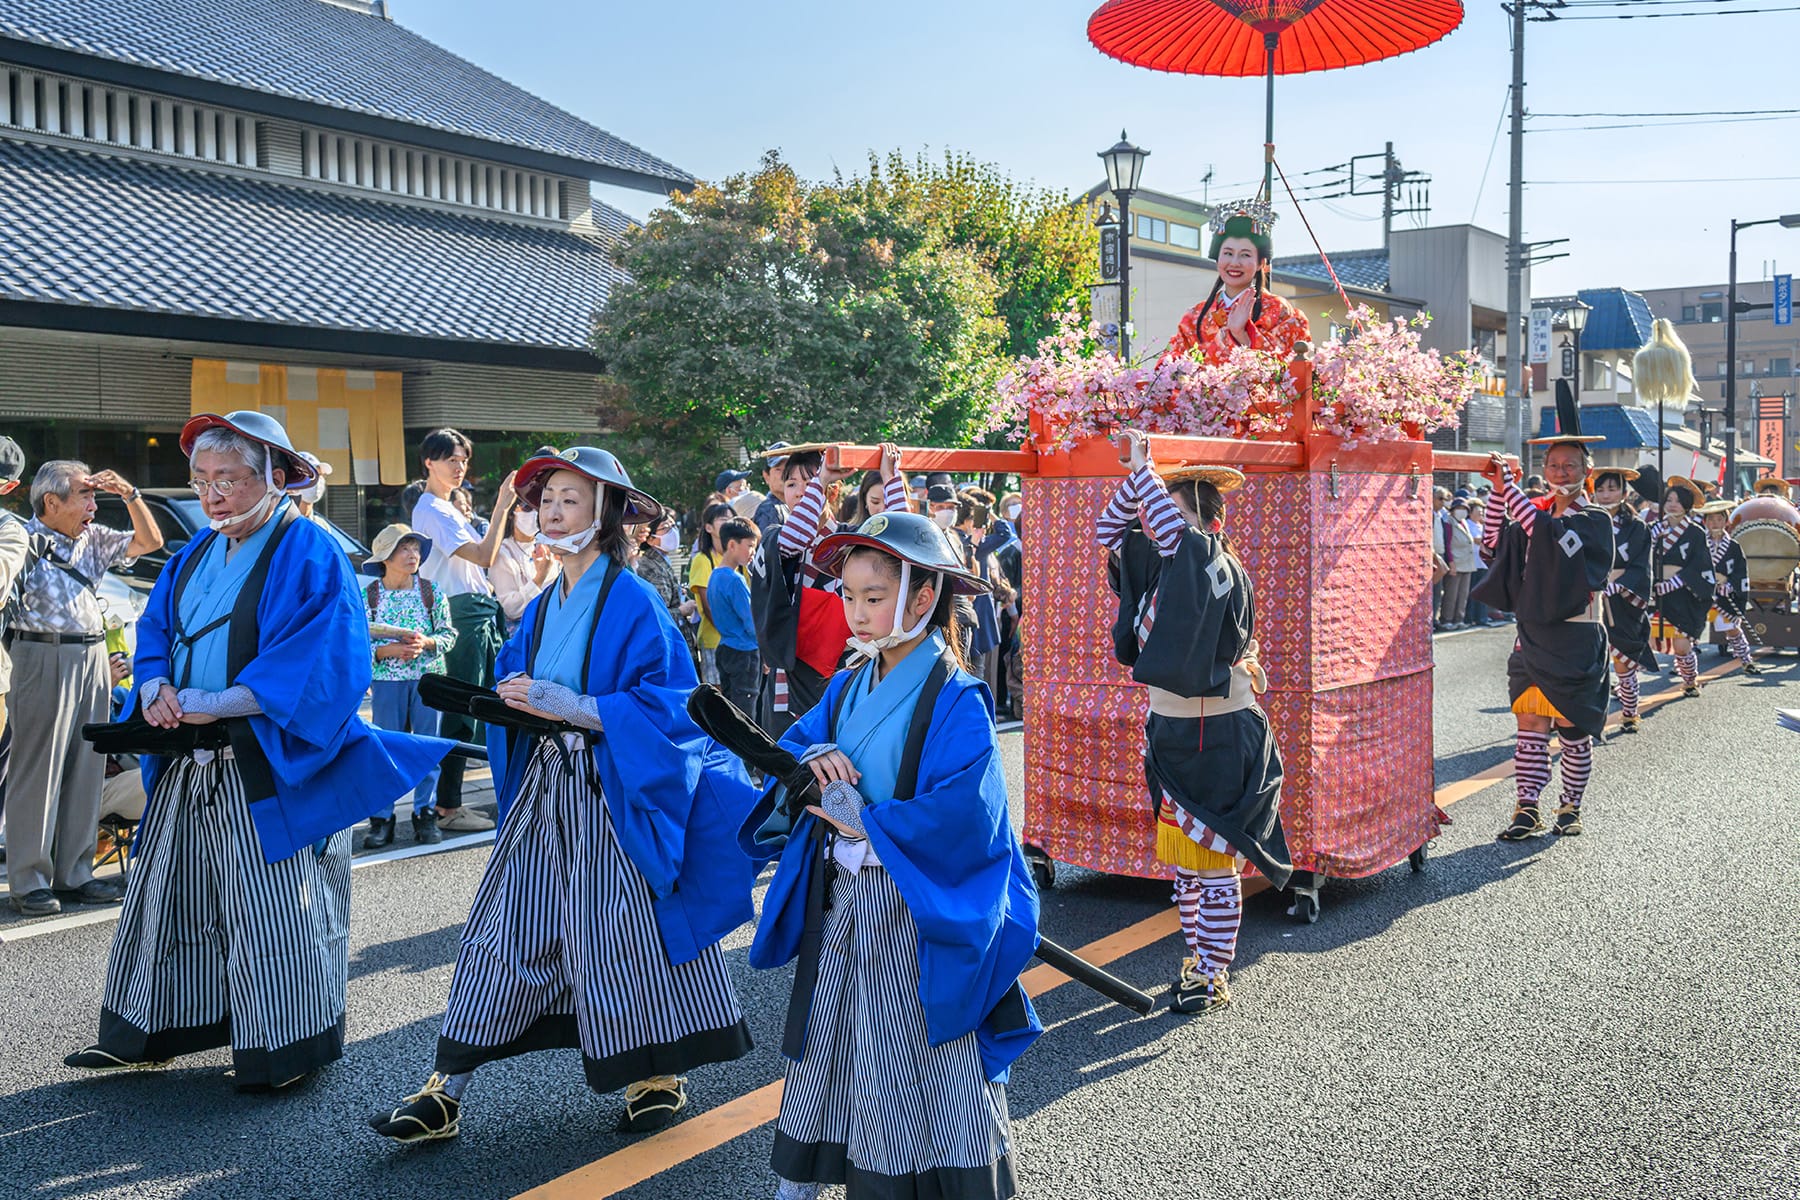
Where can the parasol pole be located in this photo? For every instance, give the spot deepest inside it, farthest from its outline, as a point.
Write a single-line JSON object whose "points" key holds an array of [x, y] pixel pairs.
{"points": [[1271, 40]]}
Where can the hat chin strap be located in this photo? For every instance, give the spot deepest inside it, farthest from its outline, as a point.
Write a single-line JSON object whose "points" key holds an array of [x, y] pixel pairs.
{"points": [[1567, 489], [261, 509], [871, 649], [575, 543]]}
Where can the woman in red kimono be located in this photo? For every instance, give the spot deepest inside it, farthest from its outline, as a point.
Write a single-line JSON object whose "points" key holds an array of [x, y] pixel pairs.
{"points": [[1240, 310]]}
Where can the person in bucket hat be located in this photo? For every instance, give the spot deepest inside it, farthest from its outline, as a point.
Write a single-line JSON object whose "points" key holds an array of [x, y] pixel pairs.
{"points": [[887, 1029], [1186, 627], [411, 631], [252, 661], [614, 874]]}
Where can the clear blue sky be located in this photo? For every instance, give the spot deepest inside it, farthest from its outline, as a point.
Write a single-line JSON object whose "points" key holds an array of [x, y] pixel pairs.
{"points": [[710, 85]]}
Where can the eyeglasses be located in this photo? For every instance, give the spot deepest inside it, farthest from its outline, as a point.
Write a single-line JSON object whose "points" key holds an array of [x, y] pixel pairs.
{"points": [[221, 488]]}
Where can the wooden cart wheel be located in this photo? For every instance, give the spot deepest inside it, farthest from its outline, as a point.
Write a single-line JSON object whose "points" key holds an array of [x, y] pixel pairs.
{"points": [[1043, 867]]}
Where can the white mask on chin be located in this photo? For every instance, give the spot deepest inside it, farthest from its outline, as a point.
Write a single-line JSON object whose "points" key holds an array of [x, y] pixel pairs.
{"points": [[247, 522], [1566, 489], [575, 543], [872, 648]]}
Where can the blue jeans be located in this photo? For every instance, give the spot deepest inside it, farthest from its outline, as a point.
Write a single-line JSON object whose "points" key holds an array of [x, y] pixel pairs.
{"points": [[397, 706]]}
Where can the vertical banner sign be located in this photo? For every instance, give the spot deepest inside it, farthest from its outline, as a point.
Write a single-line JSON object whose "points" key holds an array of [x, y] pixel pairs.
{"points": [[1540, 335], [1771, 430], [1784, 299], [1109, 252]]}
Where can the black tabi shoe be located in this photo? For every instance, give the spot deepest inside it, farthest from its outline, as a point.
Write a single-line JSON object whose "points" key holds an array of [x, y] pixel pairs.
{"points": [[97, 1060], [1526, 823], [380, 835], [425, 828], [94, 891], [428, 1115], [1568, 821], [1689, 691], [1751, 668], [1197, 992], [651, 1104]]}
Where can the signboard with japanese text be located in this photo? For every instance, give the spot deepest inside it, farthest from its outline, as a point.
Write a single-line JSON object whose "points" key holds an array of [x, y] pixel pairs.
{"points": [[1539, 338], [1784, 299], [1771, 430], [1109, 252]]}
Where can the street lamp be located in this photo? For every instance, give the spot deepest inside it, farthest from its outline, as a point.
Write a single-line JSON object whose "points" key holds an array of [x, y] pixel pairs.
{"points": [[1124, 166], [1577, 317], [1732, 308]]}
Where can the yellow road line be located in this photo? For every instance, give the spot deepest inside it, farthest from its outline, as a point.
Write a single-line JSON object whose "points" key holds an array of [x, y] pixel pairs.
{"points": [[660, 1152]]}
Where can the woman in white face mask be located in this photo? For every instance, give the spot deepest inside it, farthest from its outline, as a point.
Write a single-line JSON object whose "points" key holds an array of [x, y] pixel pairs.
{"points": [[523, 568], [572, 941]]}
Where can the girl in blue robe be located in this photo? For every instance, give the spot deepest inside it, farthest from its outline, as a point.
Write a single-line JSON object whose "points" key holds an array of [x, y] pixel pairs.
{"points": [[904, 896], [614, 873], [254, 653]]}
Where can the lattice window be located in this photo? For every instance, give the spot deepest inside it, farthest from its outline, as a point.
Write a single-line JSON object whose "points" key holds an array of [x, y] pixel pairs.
{"points": [[405, 171], [73, 108]]}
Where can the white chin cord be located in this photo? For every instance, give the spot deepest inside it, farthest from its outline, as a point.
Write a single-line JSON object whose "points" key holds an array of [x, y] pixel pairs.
{"points": [[1567, 489], [262, 508], [872, 649]]}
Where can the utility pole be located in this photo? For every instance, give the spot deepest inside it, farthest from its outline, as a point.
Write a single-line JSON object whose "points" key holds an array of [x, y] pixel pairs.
{"points": [[1391, 177], [1515, 244]]}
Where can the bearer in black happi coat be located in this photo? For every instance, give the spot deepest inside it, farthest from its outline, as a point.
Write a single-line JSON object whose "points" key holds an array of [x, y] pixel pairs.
{"points": [[1684, 583], [1731, 580], [1627, 615], [1549, 567]]}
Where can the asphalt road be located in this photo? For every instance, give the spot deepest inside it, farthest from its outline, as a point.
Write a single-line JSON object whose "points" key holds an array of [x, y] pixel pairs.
{"points": [[1613, 1016]]}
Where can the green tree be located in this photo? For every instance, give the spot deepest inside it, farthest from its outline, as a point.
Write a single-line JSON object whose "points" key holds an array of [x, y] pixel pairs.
{"points": [[880, 306]]}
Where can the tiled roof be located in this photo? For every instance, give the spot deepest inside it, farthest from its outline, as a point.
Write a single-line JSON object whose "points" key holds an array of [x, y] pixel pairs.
{"points": [[1624, 428], [95, 230], [1620, 320], [1366, 269], [324, 54]]}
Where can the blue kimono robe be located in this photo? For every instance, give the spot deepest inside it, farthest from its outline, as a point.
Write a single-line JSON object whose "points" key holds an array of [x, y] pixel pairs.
{"points": [[952, 854], [309, 673], [676, 798]]}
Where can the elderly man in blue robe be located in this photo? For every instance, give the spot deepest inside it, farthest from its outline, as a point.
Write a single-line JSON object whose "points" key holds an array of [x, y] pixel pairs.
{"points": [[252, 659]]}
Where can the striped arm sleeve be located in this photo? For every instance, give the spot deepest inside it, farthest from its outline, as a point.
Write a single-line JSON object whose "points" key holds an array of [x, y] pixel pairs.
{"points": [[802, 526], [1492, 519], [1519, 506], [1109, 530], [893, 495], [1161, 519]]}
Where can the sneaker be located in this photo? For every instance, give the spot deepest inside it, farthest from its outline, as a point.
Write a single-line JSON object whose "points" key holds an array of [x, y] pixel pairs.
{"points": [[41, 902], [1751, 668], [653, 1103], [426, 826], [1689, 691], [380, 835], [1196, 992], [98, 1060], [1526, 823], [1630, 724], [1568, 821], [94, 891], [428, 1115], [462, 820]]}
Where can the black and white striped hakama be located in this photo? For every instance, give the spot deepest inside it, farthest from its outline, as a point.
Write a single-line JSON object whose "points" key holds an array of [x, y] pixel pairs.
{"points": [[562, 949], [216, 947], [870, 1104]]}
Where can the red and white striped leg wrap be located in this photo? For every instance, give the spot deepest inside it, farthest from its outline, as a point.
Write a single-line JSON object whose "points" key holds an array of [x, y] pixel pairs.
{"points": [[1628, 691], [1577, 767], [1688, 666], [1221, 912], [1531, 766], [1187, 903], [1740, 646]]}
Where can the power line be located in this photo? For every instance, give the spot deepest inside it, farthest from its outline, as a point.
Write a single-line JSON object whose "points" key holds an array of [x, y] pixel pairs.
{"points": [[1629, 16], [1505, 101], [1665, 124], [1704, 112], [1658, 182]]}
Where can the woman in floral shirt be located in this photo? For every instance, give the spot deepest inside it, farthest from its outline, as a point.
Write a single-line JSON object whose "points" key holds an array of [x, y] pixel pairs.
{"points": [[409, 625]]}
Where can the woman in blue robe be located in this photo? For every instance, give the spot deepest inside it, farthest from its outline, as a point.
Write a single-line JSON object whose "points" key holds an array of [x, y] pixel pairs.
{"points": [[614, 874], [252, 657], [903, 894]]}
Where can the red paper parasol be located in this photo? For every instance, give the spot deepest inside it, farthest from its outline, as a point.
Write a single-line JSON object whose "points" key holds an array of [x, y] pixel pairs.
{"points": [[1267, 37]]}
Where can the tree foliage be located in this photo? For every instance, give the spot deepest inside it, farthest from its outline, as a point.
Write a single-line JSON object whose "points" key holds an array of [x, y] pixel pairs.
{"points": [[882, 305]]}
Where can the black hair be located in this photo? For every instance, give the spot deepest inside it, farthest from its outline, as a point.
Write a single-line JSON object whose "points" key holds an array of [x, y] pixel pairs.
{"points": [[811, 461], [409, 497], [1688, 497], [712, 513], [1208, 504], [616, 539], [855, 508], [735, 530], [969, 507], [1616, 476], [943, 613], [440, 444]]}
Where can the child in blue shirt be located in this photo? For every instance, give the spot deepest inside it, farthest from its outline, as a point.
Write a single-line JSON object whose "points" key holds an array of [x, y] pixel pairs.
{"points": [[728, 596]]}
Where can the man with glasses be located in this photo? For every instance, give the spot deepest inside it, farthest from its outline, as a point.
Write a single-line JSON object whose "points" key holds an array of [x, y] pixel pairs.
{"points": [[61, 680]]}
